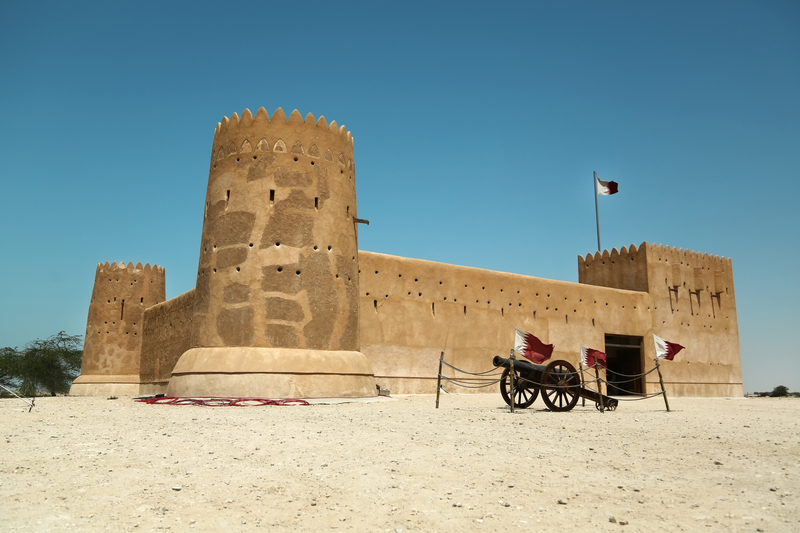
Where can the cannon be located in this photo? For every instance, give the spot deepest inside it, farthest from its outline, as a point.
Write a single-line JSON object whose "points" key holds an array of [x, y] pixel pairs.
{"points": [[560, 384]]}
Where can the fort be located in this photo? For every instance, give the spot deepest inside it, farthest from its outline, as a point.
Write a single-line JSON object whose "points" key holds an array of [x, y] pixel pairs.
{"points": [[287, 306]]}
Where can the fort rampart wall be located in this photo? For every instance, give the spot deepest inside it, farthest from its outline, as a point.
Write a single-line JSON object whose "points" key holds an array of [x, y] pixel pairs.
{"points": [[167, 331], [411, 310]]}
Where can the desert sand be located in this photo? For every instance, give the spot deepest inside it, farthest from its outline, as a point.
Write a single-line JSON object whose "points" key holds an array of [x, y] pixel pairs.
{"points": [[399, 464]]}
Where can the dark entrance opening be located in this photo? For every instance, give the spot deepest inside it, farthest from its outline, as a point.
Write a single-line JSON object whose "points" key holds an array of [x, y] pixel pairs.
{"points": [[624, 361]]}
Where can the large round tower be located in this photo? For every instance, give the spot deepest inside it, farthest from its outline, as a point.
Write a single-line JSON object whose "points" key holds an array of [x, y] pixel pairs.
{"points": [[276, 302], [112, 346]]}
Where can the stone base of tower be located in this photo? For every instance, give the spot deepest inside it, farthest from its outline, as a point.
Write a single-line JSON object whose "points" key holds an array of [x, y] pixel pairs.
{"points": [[243, 372], [114, 385]]}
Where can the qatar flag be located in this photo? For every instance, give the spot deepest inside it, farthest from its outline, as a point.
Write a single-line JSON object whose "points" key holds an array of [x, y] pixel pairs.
{"points": [[531, 347], [665, 349], [590, 357], [605, 188]]}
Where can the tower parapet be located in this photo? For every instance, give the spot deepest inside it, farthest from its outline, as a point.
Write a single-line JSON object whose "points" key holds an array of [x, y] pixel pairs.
{"points": [[652, 267], [113, 340], [276, 301]]}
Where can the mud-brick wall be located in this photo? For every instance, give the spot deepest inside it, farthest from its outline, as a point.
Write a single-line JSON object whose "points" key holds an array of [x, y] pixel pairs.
{"points": [[411, 310], [167, 331]]}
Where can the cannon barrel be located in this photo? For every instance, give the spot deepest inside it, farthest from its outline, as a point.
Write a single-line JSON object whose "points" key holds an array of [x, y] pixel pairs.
{"points": [[520, 365]]}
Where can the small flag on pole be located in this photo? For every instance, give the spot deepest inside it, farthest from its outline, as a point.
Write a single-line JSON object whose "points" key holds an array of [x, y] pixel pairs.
{"points": [[531, 347], [665, 349], [605, 188], [590, 357]]}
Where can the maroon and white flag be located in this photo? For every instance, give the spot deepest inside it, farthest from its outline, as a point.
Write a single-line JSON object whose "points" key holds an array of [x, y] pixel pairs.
{"points": [[531, 348], [665, 349], [590, 357], [605, 188]]}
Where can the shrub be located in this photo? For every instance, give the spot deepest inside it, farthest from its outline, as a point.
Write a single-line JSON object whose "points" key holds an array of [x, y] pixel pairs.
{"points": [[43, 365], [780, 390]]}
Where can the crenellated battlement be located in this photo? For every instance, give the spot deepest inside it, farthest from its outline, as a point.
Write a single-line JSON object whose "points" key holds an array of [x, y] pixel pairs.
{"points": [[689, 258], [660, 253], [309, 137], [113, 267], [650, 266]]}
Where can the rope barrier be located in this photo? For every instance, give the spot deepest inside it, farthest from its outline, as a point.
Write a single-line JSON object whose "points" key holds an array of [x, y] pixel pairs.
{"points": [[462, 383], [631, 375], [488, 372], [641, 397], [221, 402]]}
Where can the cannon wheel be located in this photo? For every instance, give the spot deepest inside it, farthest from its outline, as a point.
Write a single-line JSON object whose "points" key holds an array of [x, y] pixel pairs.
{"points": [[524, 395], [560, 386]]}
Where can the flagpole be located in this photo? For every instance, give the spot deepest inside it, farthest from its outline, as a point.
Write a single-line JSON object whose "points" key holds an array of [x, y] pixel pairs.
{"points": [[661, 380], [512, 376], [599, 390], [596, 210], [439, 379]]}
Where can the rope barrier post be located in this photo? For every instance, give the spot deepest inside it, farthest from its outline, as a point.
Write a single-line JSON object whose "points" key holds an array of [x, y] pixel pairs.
{"points": [[511, 375], [439, 379], [599, 388], [661, 380], [580, 369], [28, 403]]}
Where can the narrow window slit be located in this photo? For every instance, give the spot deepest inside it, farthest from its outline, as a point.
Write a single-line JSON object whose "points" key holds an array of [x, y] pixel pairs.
{"points": [[122, 310], [271, 196]]}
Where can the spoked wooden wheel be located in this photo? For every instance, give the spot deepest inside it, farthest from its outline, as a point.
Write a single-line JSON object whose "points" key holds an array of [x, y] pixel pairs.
{"points": [[525, 392], [560, 386]]}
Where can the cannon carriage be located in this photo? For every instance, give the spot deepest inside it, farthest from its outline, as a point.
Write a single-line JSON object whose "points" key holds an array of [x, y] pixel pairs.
{"points": [[560, 384]]}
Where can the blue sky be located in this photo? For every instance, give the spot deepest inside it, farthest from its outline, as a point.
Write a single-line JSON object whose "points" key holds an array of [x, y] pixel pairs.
{"points": [[477, 127]]}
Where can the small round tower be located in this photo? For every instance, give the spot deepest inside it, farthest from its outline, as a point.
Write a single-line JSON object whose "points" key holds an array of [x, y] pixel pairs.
{"points": [[276, 301], [112, 345]]}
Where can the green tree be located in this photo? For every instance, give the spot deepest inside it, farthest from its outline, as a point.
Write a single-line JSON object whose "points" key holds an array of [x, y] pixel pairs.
{"points": [[780, 390], [43, 365], [8, 357]]}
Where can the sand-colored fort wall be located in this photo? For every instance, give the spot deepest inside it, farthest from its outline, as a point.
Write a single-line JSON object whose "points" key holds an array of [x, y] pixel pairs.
{"points": [[411, 310], [112, 345], [167, 331]]}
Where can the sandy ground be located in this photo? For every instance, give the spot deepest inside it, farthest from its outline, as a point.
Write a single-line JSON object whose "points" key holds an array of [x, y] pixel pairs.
{"points": [[93, 464]]}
